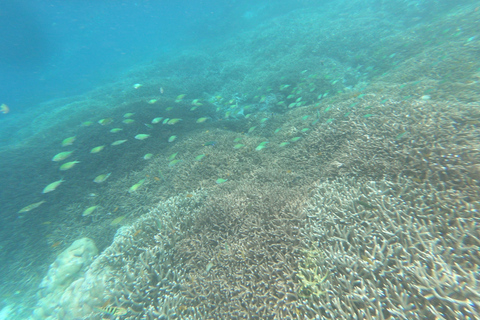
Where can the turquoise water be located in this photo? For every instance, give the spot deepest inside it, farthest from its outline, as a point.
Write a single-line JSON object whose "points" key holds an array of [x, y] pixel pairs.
{"points": [[249, 160]]}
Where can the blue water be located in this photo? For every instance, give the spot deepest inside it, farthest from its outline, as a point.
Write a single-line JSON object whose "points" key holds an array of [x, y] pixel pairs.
{"points": [[225, 126], [53, 49]]}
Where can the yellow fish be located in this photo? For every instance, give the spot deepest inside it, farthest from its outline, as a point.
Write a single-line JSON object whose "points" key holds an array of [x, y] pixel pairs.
{"points": [[89, 211], [97, 149], [68, 165], [105, 121], [157, 120], [128, 114], [4, 109], [128, 121], [136, 186], [196, 102], [87, 123], [68, 141], [180, 97], [62, 156], [173, 121], [117, 220], [32, 206], [118, 142], [52, 186], [114, 311], [137, 85], [201, 120], [142, 136], [101, 178]]}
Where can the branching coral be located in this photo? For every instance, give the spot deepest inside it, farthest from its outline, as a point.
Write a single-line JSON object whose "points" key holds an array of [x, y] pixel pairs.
{"points": [[389, 259]]}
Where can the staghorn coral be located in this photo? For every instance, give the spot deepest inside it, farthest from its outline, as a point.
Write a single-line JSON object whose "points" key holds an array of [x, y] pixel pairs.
{"points": [[241, 258], [395, 250]]}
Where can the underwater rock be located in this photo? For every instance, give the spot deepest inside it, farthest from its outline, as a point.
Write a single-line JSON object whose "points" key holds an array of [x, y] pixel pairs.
{"points": [[69, 266]]}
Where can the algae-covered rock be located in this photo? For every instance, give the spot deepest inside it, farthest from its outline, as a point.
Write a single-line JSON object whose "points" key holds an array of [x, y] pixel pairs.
{"points": [[69, 266]]}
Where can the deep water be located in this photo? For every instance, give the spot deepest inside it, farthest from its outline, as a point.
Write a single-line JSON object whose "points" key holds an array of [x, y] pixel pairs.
{"points": [[221, 129]]}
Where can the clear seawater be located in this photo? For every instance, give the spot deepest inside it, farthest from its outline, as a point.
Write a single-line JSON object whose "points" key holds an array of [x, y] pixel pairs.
{"points": [[225, 105]]}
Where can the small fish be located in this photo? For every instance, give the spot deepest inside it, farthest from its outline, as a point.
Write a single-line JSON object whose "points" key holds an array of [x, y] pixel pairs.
{"points": [[277, 130], [180, 97], [118, 142], [4, 109], [305, 117], [172, 138], [201, 120], [142, 136], [172, 156], [284, 144], [368, 115], [193, 108], [114, 222], [56, 244], [137, 85], [165, 121], [97, 149], [251, 129], [238, 139], [87, 123], [261, 145], [62, 156], [148, 156], [128, 121], [32, 206], [173, 121], [220, 180], [68, 165], [305, 129], [105, 121], [157, 120], [152, 101], [210, 143], [263, 120], [68, 141], [101, 178], [174, 162], [189, 195], [295, 139], [238, 146], [89, 211], [115, 130], [52, 186], [196, 102], [136, 186], [199, 157], [148, 125], [128, 114]]}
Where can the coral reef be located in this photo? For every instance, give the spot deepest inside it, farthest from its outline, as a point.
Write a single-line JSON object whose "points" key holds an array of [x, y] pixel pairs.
{"points": [[395, 250]]}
